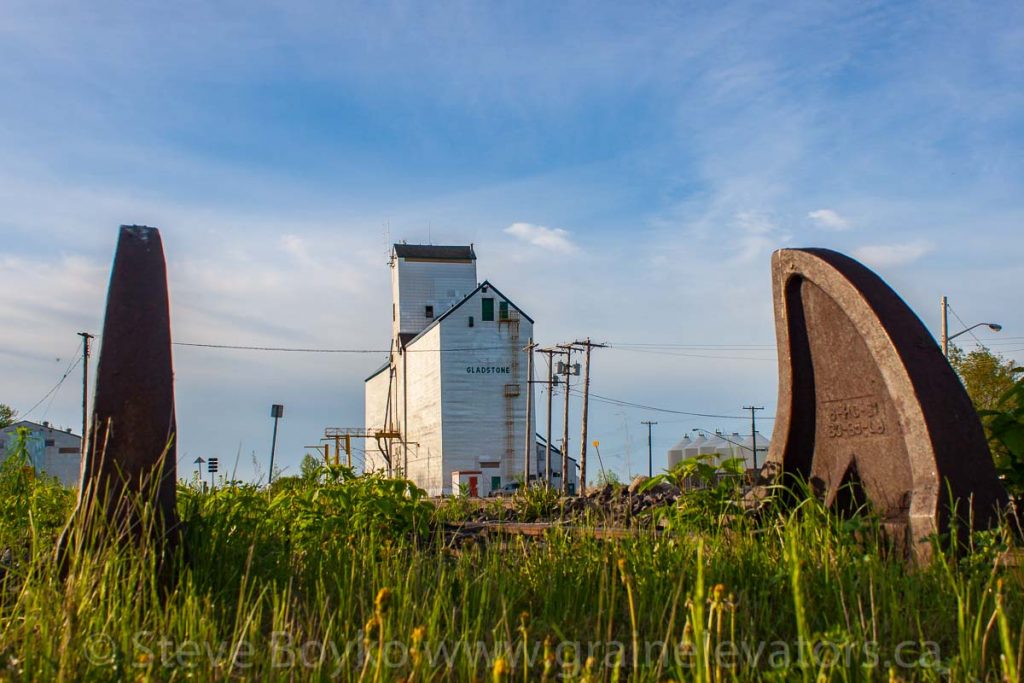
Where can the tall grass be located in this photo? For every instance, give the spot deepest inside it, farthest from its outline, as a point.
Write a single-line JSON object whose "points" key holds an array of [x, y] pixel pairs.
{"points": [[349, 578]]}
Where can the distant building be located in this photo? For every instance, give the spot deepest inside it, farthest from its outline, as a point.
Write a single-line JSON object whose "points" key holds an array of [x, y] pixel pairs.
{"points": [[721, 446], [52, 451], [540, 470], [452, 395]]}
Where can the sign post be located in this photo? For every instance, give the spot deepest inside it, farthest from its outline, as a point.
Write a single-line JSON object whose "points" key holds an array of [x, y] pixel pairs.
{"points": [[212, 466]]}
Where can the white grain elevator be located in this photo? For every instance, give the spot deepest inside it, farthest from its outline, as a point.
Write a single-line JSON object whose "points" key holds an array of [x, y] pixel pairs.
{"points": [[454, 387]]}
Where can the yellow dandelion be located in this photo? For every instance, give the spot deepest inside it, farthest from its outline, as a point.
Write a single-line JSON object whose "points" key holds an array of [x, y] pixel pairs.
{"points": [[383, 600], [502, 669]]}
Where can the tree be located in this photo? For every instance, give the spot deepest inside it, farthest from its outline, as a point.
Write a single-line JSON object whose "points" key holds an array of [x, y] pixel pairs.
{"points": [[7, 415], [310, 467], [996, 387], [1005, 429], [987, 376]]}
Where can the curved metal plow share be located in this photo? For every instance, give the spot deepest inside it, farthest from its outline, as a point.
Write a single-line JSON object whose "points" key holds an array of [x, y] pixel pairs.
{"points": [[129, 468], [868, 408]]}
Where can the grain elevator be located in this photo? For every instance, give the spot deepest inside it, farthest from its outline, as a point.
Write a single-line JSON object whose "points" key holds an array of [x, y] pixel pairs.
{"points": [[452, 395]]}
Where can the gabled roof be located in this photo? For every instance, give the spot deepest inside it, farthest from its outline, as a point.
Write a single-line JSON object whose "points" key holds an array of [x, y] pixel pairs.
{"points": [[26, 423], [454, 308], [378, 371], [542, 442], [435, 252]]}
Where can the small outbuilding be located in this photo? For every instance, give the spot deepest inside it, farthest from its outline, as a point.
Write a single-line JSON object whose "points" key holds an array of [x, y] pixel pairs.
{"points": [[50, 450]]}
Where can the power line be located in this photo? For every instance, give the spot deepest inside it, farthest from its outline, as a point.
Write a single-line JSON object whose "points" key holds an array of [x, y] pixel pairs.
{"points": [[694, 355], [727, 347], [283, 349], [969, 330], [55, 388], [618, 402], [54, 395]]}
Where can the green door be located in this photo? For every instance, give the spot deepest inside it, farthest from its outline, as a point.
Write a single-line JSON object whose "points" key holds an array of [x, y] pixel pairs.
{"points": [[495, 483], [487, 309], [503, 310]]}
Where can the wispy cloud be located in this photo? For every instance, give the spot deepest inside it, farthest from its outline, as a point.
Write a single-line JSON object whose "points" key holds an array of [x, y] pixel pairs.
{"points": [[888, 255], [552, 239], [829, 219], [758, 234]]}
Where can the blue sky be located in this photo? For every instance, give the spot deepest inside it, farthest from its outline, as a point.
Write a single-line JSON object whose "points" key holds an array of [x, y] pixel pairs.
{"points": [[625, 170]]}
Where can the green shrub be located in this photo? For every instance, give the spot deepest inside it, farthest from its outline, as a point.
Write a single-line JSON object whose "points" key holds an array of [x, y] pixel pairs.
{"points": [[1005, 427]]}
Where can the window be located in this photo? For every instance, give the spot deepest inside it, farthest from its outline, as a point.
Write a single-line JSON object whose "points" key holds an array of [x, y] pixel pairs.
{"points": [[503, 310], [392, 312], [487, 309], [471, 321], [428, 311], [47, 443]]}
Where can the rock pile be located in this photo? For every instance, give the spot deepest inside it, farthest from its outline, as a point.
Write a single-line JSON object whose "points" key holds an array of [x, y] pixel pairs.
{"points": [[621, 503]]}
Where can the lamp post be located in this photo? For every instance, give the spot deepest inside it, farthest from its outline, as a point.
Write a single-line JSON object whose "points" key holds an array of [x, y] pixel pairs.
{"points": [[650, 457], [947, 337], [276, 412]]}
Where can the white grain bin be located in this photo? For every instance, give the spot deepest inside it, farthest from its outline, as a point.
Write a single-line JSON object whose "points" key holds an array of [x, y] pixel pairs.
{"points": [[712, 445], [677, 453], [748, 455], [693, 448]]}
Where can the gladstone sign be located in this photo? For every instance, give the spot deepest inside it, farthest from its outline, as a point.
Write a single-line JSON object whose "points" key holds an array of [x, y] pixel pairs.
{"points": [[488, 370]]}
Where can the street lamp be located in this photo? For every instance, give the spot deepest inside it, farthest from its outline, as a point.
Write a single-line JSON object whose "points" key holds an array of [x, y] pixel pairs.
{"points": [[706, 432], [995, 327], [947, 337], [276, 412]]}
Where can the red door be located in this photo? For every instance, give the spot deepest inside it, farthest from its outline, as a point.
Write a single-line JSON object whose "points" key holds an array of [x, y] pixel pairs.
{"points": [[474, 490]]}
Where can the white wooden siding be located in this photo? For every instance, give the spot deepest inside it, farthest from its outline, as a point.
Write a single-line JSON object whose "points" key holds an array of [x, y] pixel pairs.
{"points": [[418, 284], [474, 406], [421, 365], [376, 394]]}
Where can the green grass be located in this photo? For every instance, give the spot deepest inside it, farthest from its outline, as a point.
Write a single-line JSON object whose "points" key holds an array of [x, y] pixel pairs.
{"points": [[337, 577]]}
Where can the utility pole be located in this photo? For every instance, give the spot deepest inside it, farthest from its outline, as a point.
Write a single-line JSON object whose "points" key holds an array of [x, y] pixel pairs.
{"points": [[753, 431], [945, 326], [650, 457], [86, 337], [547, 439], [530, 438], [587, 346], [567, 350]]}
